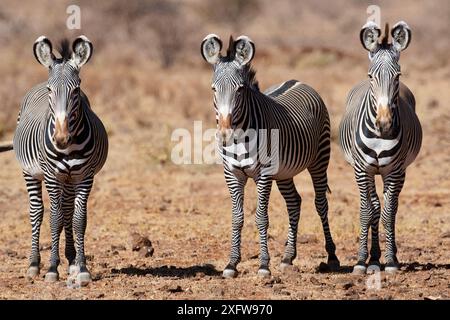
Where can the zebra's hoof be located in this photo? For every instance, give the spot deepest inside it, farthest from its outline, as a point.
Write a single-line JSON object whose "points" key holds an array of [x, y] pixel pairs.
{"points": [[73, 269], [33, 272], [229, 273], [391, 268], [83, 279], [264, 273], [51, 277], [359, 269], [334, 265]]}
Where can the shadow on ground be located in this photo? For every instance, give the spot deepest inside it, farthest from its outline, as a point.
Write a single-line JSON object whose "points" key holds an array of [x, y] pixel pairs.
{"points": [[170, 271]]}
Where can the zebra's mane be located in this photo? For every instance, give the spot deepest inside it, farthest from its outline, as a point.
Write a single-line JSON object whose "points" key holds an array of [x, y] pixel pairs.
{"points": [[247, 70], [64, 50], [385, 39]]}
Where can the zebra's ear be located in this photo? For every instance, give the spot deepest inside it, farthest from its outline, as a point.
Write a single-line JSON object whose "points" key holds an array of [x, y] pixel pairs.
{"points": [[244, 49], [369, 35], [42, 49], [82, 51], [210, 48], [401, 36]]}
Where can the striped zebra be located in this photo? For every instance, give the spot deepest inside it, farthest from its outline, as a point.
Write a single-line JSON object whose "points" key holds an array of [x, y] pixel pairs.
{"points": [[380, 134], [299, 119], [60, 140]]}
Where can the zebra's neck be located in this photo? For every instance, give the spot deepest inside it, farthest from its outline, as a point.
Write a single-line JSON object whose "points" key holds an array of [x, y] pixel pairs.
{"points": [[80, 129], [367, 123], [248, 112]]}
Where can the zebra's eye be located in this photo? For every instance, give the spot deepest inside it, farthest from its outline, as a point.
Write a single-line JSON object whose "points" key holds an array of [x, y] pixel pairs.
{"points": [[370, 76], [213, 89]]}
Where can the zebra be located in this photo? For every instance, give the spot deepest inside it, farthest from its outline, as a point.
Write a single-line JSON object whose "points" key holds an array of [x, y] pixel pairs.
{"points": [[380, 134], [293, 110], [60, 140]]}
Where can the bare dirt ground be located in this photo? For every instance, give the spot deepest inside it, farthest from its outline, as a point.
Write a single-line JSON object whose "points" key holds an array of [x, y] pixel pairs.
{"points": [[186, 211]]}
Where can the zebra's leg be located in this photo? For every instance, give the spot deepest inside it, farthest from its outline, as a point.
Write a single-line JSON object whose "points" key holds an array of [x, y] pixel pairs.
{"points": [[34, 188], [366, 184], [82, 192], [55, 191], [236, 185], [264, 186], [68, 207], [375, 251], [393, 184], [293, 204], [320, 182]]}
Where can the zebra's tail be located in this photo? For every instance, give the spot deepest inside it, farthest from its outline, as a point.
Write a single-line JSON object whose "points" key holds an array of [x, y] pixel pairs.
{"points": [[328, 189], [6, 146]]}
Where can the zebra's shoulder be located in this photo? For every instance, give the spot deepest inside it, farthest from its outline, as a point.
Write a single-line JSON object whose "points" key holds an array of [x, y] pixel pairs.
{"points": [[407, 96], [36, 91], [280, 89]]}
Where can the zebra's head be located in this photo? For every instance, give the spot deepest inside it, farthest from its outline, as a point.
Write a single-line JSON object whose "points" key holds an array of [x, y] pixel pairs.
{"points": [[384, 70], [63, 85], [232, 75]]}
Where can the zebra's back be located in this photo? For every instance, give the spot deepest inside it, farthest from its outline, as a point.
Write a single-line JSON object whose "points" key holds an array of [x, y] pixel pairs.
{"points": [[304, 126]]}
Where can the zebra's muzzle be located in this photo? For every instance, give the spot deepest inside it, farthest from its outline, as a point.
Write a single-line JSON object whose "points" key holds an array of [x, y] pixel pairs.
{"points": [[383, 121], [61, 136], [224, 127]]}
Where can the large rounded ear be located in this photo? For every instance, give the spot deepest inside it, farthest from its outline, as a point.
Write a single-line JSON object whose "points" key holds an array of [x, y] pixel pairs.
{"points": [[42, 49], [369, 35], [244, 49], [401, 36], [210, 48], [82, 51]]}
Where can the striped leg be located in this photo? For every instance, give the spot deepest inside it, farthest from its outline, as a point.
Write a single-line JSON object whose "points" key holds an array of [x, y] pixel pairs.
{"points": [[79, 224], [366, 184], [320, 182], [34, 188], [68, 207], [264, 186], [236, 187], [293, 204], [393, 185], [375, 251], [55, 191]]}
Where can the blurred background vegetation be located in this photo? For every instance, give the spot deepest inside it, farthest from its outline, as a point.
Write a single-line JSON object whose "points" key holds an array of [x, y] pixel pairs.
{"points": [[147, 77]]}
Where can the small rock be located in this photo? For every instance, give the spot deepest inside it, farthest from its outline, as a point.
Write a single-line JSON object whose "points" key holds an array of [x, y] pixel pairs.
{"points": [[11, 253], [445, 234], [255, 256], [45, 247], [101, 295], [142, 244], [314, 281], [217, 291], [174, 289], [278, 288], [118, 247], [347, 285], [307, 238]]}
